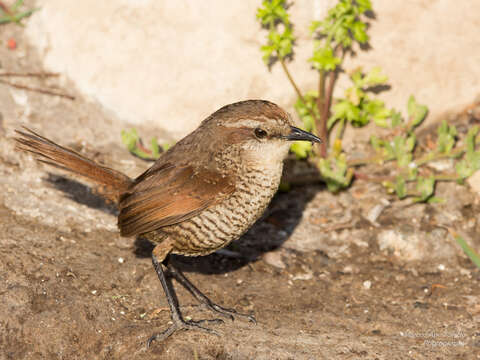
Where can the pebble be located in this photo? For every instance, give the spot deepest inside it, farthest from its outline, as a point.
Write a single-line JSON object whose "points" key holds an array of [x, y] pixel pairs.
{"points": [[274, 259], [367, 284]]}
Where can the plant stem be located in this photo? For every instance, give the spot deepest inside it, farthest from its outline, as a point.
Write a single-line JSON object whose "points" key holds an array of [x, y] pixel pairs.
{"points": [[321, 92], [300, 96], [447, 177], [340, 128], [290, 78], [322, 128], [367, 160], [438, 156], [472, 254], [319, 123]]}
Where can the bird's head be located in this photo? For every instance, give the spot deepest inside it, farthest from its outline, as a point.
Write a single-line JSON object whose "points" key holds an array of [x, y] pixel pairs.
{"points": [[259, 129]]}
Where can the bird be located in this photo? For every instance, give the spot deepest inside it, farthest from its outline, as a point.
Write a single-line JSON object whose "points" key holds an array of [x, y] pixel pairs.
{"points": [[200, 195]]}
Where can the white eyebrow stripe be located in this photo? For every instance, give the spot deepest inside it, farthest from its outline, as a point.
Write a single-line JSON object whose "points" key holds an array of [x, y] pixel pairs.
{"points": [[245, 122]]}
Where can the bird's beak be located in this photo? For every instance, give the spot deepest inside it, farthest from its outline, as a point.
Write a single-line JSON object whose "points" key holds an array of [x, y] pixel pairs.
{"points": [[297, 134]]}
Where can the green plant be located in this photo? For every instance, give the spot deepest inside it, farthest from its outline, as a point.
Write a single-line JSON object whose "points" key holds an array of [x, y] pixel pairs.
{"points": [[12, 14], [344, 27], [472, 254], [135, 145], [333, 38]]}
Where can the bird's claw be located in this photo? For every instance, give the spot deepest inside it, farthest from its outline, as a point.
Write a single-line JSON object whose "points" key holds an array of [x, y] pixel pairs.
{"points": [[185, 325]]}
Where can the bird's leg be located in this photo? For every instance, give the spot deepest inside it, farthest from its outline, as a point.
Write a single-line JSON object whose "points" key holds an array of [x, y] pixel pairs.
{"points": [[197, 294], [178, 323]]}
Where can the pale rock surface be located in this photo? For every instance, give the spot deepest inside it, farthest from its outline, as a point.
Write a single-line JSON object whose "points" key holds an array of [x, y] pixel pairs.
{"points": [[173, 62]]}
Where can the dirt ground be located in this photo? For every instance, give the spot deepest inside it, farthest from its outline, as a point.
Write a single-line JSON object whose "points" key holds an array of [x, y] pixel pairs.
{"points": [[323, 279]]}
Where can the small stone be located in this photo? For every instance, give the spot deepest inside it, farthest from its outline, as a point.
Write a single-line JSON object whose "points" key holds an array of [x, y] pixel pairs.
{"points": [[94, 292], [465, 272], [441, 267], [441, 165], [376, 211], [474, 182], [121, 260], [274, 259], [303, 276], [367, 284]]}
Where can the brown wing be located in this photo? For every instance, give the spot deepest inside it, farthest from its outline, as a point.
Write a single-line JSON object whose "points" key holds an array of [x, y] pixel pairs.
{"points": [[168, 195]]}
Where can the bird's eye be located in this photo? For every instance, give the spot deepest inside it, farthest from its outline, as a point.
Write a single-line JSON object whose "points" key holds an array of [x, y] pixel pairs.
{"points": [[260, 133]]}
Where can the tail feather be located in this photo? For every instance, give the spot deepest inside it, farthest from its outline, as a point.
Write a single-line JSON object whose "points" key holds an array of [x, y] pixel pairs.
{"points": [[60, 157]]}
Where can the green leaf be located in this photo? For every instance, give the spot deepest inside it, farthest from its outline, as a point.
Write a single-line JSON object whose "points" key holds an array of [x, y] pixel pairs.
{"points": [[267, 53], [13, 16], [375, 77], [272, 11], [133, 143], [468, 250], [17, 4], [355, 95], [470, 140], [410, 143], [463, 169], [344, 109], [332, 120], [279, 44], [335, 172], [323, 59], [471, 161], [426, 188], [400, 187], [166, 146], [416, 111], [130, 138], [363, 5], [301, 149], [395, 118], [376, 142], [357, 77], [446, 137], [155, 148], [305, 111], [315, 25], [435, 200], [358, 30], [402, 148], [377, 111]]}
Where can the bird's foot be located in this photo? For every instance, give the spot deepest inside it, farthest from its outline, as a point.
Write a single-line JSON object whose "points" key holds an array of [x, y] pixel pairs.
{"points": [[180, 324], [230, 313]]}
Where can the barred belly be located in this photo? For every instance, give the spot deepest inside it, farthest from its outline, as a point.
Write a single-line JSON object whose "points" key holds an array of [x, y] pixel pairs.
{"points": [[217, 226]]}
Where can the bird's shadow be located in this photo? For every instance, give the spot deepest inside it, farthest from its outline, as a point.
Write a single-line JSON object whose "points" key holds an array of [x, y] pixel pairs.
{"points": [[267, 234]]}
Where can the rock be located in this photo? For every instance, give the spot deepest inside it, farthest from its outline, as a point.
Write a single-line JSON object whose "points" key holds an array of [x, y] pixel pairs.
{"points": [[474, 182], [408, 243], [274, 258], [173, 62]]}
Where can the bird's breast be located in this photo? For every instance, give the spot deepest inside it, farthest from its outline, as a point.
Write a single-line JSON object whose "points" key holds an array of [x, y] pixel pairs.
{"points": [[218, 225]]}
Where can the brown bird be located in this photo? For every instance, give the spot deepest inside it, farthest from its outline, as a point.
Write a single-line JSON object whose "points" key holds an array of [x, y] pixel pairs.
{"points": [[200, 195]]}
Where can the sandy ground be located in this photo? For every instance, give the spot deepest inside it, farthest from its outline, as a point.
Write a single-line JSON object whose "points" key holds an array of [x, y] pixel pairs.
{"points": [[323, 281]]}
